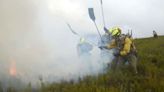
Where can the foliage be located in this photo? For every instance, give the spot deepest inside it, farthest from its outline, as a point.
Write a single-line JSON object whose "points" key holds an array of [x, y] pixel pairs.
{"points": [[150, 77]]}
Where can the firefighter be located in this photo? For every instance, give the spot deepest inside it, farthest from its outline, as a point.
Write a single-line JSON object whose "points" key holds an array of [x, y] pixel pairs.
{"points": [[84, 48], [123, 50], [155, 34], [105, 54]]}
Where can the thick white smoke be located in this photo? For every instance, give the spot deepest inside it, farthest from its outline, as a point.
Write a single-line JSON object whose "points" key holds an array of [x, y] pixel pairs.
{"points": [[40, 44]]}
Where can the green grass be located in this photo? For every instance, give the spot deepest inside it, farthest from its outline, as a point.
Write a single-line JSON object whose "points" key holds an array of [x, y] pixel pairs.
{"points": [[150, 77]]}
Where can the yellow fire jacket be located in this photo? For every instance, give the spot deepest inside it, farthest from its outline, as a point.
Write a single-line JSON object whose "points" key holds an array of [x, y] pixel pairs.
{"points": [[126, 47]]}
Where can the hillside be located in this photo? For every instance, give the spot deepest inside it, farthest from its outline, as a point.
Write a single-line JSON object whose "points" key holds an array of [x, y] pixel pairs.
{"points": [[150, 77]]}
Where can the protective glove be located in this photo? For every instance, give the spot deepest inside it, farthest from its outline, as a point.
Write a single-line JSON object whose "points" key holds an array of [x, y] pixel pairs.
{"points": [[102, 47], [116, 53]]}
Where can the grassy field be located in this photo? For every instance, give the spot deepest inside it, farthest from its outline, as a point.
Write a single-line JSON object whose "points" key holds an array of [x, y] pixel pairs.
{"points": [[150, 77]]}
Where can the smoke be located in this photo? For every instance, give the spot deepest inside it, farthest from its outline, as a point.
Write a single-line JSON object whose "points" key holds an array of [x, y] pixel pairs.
{"points": [[41, 45]]}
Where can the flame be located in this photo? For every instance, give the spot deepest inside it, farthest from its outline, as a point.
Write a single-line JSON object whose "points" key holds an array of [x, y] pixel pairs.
{"points": [[13, 70]]}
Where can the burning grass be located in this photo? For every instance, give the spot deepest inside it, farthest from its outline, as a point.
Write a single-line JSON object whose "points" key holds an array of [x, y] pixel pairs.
{"points": [[149, 79]]}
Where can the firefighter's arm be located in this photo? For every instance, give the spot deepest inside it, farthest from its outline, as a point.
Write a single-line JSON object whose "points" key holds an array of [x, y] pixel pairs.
{"points": [[112, 45], [126, 48]]}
